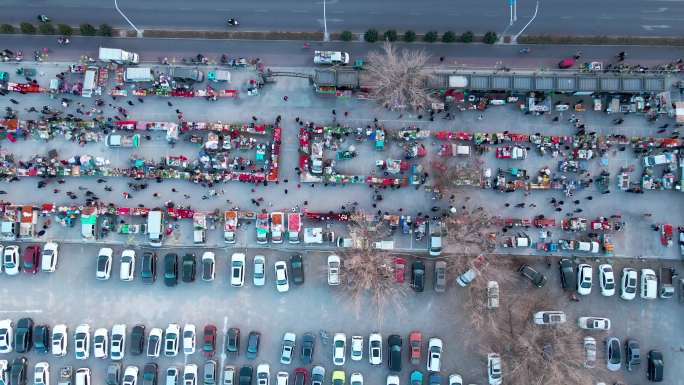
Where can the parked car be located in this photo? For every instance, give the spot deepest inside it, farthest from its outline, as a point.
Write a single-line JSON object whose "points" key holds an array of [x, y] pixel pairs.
{"points": [[584, 279], [287, 348], [130, 376], [416, 377], [209, 341], [10, 260], [492, 295], [399, 269], [356, 353], [30, 259], [127, 272], [455, 379], [338, 377], [101, 343], [567, 274], [549, 317], [538, 279], [613, 357], [171, 337], [209, 371], [440, 276], [190, 375], [649, 284], [632, 354], [656, 366], [104, 264], [117, 342], [148, 268], [59, 340], [434, 361], [208, 266], [138, 340], [232, 342], [263, 374], [593, 323], [6, 336], [172, 375], [83, 375], [18, 370], [333, 270], [297, 269], [300, 376], [415, 344], [253, 344], [282, 283], [282, 378], [189, 267], [113, 374], [494, 372], [394, 344], [154, 342], [48, 259], [171, 269], [356, 378], [41, 374], [606, 280], [189, 339], [466, 277], [392, 379], [418, 276], [630, 281], [259, 277], [339, 348], [41, 339], [23, 335], [245, 375], [237, 267], [308, 344], [317, 375], [375, 349], [150, 372], [229, 375], [589, 352]]}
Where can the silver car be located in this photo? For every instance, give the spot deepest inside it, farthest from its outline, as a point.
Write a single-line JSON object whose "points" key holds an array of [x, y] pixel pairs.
{"points": [[613, 354]]}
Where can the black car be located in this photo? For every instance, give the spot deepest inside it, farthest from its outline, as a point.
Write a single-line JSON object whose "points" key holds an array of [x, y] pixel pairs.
{"points": [[308, 343], [538, 279], [148, 270], [189, 267], [23, 335], [113, 375], [150, 374], [297, 269], [567, 274], [233, 341], [394, 343], [209, 370], [41, 338], [632, 354], [656, 366], [138, 340], [18, 371], [171, 269], [246, 375], [253, 345], [418, 276]]}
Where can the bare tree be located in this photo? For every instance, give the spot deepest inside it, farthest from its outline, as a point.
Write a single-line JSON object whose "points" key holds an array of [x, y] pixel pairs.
{"points": [[398, 78], [469, 232]]}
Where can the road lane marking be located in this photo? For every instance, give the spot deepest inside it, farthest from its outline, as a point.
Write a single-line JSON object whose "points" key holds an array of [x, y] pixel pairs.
{"points": [[652, 27], [223, 350], [33, 311]]}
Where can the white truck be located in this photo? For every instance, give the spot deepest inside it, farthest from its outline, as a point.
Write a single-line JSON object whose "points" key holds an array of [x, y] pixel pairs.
{"points": [[122, 140], [119, 56], [331, 57], [199, 228]]}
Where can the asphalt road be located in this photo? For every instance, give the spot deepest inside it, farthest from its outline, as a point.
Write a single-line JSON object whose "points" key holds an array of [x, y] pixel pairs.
{"points": [[579, 17], [292, 54]]}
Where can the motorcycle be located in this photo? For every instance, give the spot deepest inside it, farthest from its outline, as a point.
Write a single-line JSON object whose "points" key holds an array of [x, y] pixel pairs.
{"points": [[524, 50], [233, 22], [63, 40]]}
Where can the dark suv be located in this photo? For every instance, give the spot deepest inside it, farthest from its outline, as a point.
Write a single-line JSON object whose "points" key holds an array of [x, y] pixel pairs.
{"points": [[656, 366], [171, 269], [297, 269], [148, 270], [233, 341], [567, 274], [41, 338], [418, 276], [538, 279], [23, 336], [138, 340], [149, 376], [394, 352], [632, 354], [189, 267], [18, 371]]}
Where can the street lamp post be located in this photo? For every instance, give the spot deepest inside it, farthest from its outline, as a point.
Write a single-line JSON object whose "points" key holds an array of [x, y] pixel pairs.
{"points": [[326, 37], [116, 5]]}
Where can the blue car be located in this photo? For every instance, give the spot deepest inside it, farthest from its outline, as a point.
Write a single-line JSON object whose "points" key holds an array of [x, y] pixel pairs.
{"points": [[416, 377], [435, 379]]}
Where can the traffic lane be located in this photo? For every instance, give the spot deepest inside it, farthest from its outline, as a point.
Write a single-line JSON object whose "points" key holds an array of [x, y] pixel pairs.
{"points": [[71, 295]]}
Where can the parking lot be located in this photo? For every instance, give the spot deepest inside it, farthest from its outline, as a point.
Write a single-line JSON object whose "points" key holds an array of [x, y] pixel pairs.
{"points": [[73, 296]]}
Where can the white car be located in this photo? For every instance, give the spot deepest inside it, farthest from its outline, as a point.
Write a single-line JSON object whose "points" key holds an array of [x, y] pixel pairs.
{"points": [[630, 281], [549, 317], [282, 378], [189, 338], [4, 371], [589, 352], [48, 260], [190, 374], [494, 373], [333, 270], [117, 343], [154, 342], [208, 266], [593, 323], [392, 379], [237, 270], [82, 342], [356, 348], [339, 348], [130, 376], [584, 279], [171, 338], [82, 376], [41, 374], [375, 349], [282, 283], [356, 379], [288, 347], [104, 264], [606, 280], [10, 260], [434, 359], [127, 265], [259, 276], [58, 345], [649, 284], [455, 379], [6, 336], [101, 343], [263, 374]]}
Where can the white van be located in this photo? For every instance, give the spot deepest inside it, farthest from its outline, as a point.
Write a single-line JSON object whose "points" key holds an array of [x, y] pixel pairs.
{"points": [[155, 228], [649, 284], [82, 376], [88, 83]]}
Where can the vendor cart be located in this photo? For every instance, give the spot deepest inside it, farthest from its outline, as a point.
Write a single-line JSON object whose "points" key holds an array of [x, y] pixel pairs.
{"points": [[666, 234], [230, 219]]}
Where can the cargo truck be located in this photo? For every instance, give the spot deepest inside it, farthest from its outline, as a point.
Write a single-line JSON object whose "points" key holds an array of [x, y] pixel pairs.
{"points": [[119, 56]]}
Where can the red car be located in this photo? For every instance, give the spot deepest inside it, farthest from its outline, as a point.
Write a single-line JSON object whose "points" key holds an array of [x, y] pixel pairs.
{"points": [[399, 269], [209, 344], [415, 342], [31, 259], [300, 376], [666, 235]]}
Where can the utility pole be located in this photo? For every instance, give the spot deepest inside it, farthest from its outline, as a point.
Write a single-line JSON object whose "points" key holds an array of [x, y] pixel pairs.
{"points": [[326, 37], [139, 32]]}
